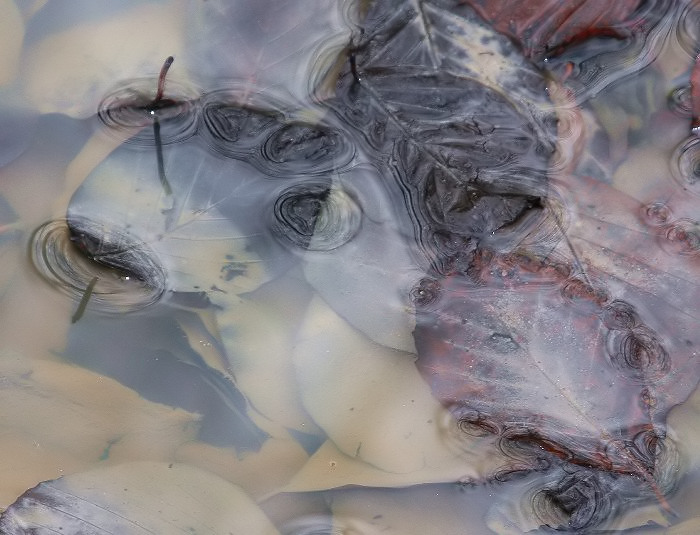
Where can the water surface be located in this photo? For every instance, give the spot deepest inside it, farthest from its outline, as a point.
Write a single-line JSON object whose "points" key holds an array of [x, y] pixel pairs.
{"points": [[344, 268]]}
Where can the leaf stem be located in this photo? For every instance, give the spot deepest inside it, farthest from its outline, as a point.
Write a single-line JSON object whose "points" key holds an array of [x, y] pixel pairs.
{"points": [[156, 124], [161, 78]]}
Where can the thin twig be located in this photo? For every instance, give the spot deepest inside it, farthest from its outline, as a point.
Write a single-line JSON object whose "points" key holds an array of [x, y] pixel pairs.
{"points": [[84, 300]]}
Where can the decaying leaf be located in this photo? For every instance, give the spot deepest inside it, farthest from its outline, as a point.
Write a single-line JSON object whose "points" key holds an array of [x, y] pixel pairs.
{"points": [[59, 419], [545, 27], [373, 405], [330, 468], [258, 473], [134, 499], [589, 43], [457, 118]]}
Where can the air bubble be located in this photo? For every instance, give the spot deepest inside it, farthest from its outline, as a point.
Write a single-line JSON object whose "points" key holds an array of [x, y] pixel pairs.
{"points": [[619, 315], [426, 292], [680, 101], [133, 108], [685, 165], [688, 31], [236, 131], [307, 149], [638, 354], [252, 127], [682, 238], [578, 502], [656, 214], [316, 217]]}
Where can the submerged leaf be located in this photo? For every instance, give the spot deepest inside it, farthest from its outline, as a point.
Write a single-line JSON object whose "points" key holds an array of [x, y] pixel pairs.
{"points": [[517, 331], [546, 26], [370, 399], [456, 116], [554, 370], [59, 418], [135, 499]]}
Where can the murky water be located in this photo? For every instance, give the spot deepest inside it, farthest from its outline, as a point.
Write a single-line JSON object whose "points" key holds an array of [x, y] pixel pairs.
{"points": [[349, 267]]}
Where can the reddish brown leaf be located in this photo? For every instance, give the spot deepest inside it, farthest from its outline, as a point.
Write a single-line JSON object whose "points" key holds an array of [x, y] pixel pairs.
{"points": [[545, 26]]}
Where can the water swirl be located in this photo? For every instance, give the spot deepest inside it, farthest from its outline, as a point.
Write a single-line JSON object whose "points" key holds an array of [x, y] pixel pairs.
{"points": [[570, 130], [61, 263]]}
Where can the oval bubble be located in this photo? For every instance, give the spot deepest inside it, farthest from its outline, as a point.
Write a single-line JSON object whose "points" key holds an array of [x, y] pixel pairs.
{"points": [[269, 132], [645, 446], [301, 148], [133, 106], [237, 131], [667, 465], [680, 101], [474, 423], [619, 315], [61, 263], [685, 165], [688, 29], [426, 292], [682, 237], [656, 214], [638, 354], [577, 502], [316, 217]]}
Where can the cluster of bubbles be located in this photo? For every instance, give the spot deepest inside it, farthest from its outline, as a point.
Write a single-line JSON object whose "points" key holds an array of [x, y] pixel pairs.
{"points": [[676, 236], [573, 491], [262, 130]]}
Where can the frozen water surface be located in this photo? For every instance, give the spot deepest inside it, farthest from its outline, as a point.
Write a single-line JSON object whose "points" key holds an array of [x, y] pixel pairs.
{"points": [[400, 266]]}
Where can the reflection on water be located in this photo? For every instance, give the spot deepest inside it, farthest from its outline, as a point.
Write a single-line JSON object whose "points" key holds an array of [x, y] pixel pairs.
{"points": [[353, 268]]}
